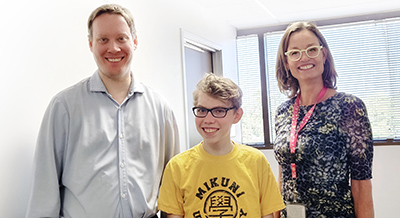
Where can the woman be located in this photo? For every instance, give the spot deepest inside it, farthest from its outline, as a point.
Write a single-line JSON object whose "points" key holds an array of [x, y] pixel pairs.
{"points": [[323, 137]]}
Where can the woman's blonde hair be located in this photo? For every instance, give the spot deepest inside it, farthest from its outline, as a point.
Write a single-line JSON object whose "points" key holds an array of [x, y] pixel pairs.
{"points": [[286, 82]]}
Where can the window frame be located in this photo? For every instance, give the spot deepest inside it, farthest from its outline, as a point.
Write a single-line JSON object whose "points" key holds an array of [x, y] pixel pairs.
{"points": [[268, 144]]}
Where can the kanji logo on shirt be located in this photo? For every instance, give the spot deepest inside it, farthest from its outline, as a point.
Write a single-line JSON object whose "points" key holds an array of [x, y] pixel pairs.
{"points": [[220, 199], [221, 203]]}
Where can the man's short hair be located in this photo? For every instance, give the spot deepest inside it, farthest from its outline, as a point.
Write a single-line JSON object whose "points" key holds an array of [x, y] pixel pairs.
{"points": [[111, 9]]}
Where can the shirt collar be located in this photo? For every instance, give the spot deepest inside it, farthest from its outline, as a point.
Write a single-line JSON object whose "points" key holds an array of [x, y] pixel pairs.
{"points": [[97, 85]]}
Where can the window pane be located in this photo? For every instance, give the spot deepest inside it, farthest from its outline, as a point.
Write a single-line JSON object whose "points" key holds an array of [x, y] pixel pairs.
{"points": [[275, 97], [367, 59], [249, 82]]}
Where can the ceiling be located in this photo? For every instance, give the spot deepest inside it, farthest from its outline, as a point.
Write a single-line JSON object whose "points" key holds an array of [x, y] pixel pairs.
{"points": [[247, 14]]}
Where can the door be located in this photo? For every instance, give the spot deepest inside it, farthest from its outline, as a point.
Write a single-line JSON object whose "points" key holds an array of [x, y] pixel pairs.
{"points": [[200, 57], [198, 62]]}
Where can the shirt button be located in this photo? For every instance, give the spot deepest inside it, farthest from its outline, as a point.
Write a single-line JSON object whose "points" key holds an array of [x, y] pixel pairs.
{"points": [[123, 195], [122, 165], [121, 136]]}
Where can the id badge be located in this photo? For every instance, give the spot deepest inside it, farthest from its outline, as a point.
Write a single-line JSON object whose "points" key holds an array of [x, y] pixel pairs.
{"points": [[295, 210]]}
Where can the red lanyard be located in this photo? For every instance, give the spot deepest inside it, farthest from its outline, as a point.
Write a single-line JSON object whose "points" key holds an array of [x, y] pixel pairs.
{"points": [[293, 133]]}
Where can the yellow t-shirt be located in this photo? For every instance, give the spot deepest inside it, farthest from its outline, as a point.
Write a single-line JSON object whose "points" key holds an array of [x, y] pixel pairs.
{"points": [[239, 184]]}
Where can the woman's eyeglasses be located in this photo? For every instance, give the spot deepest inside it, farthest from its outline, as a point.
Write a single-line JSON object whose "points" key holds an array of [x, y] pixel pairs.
{"points": [[311, 52]]}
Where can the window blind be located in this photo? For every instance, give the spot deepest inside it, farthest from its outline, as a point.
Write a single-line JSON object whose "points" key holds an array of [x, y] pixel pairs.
{"points": [[249, 82], [367, 60]]}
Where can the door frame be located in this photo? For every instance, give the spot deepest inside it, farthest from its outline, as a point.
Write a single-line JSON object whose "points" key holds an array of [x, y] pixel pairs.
{"points": [[195, 42]]}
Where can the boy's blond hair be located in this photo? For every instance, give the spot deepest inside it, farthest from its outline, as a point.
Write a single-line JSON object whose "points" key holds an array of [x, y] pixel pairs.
{"points": [[219, 87]]}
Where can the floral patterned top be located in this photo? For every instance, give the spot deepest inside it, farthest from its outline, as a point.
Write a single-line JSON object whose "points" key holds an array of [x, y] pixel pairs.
{"points": [[333, 147]]}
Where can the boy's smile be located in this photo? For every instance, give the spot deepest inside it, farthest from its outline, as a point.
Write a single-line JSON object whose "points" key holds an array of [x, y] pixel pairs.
{"points": [[216, 131]]}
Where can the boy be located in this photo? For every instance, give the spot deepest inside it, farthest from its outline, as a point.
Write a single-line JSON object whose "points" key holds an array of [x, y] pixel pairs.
{"points": [[218, 177]]}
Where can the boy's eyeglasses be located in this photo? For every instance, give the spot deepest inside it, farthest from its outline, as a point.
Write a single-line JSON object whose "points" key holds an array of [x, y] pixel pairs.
{"points": [[217, 112], [311, 52]]}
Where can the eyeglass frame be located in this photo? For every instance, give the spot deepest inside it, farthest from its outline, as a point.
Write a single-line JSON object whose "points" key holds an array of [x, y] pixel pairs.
{"points": [[210, 111], [305, 51]]}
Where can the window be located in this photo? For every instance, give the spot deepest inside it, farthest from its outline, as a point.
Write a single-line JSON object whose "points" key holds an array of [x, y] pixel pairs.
{"points": [[366, 56], [249, 82]]}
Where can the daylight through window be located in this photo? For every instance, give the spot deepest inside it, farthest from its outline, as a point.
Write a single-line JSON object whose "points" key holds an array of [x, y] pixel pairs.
{"points": [[367, 60]]}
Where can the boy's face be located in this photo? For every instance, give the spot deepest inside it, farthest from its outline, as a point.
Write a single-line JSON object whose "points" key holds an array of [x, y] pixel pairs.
{"points": [[216, 130]]}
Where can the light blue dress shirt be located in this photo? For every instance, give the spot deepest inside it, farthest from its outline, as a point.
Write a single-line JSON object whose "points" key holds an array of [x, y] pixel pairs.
{"points": [[95, 158]]}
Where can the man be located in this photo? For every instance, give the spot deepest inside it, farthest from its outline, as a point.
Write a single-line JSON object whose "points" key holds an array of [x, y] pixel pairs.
{"points": [[104, 142]]}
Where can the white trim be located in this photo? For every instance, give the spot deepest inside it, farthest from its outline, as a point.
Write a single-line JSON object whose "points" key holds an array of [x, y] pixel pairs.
{"points": [[200, 44], [199, 41]]}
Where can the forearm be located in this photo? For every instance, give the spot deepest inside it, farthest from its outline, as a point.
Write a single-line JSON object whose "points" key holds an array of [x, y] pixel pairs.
{"points": [[362, 195]]}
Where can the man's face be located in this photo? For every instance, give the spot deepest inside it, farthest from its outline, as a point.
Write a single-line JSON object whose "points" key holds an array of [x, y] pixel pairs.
{"points": [[112, 45]]}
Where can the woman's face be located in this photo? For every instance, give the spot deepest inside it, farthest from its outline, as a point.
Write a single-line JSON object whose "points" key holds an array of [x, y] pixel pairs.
{"points": [[306, 69]]}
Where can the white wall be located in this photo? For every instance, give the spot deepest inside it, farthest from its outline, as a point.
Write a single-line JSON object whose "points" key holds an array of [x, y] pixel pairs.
{"points": [[45, 49]]}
